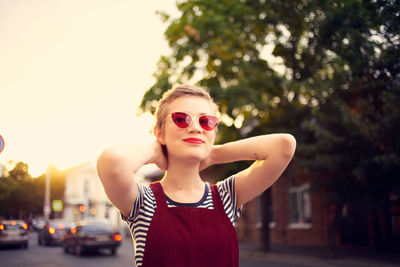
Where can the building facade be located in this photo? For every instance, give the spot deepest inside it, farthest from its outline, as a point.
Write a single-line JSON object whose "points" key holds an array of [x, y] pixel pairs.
{"points": [[84, 196], [300, 217]]}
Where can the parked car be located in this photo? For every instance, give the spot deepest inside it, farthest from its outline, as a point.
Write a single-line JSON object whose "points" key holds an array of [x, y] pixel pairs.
{"points": [[54, 232], [14, 233], [91, 236]]}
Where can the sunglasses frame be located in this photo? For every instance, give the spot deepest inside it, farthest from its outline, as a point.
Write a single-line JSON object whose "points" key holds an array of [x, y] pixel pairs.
{"points": [[192, 119]]}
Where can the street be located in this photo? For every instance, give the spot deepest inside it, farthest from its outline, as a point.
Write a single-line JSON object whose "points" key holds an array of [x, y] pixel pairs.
{"points": [[40, 256], [52, 256]]}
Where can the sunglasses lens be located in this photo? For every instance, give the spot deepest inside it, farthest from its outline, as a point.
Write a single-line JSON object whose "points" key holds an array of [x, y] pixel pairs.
{"points": [[208, 123], [182, 120]]}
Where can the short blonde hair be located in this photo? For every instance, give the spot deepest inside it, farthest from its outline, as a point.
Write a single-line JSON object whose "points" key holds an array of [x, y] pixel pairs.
{"points": [[176, 92]]}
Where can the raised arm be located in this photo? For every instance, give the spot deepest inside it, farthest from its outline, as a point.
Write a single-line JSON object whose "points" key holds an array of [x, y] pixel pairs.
{"points": [[116, 166], [272, 154]]}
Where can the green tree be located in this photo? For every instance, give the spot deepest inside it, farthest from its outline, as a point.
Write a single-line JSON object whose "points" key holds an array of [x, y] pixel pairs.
{"points": [[336, 88], [355, 127], [17, 194], [22, 196]]}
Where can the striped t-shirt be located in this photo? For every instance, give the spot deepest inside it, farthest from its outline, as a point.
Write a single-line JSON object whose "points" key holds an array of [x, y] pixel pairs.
{"points": [[140, 217]]}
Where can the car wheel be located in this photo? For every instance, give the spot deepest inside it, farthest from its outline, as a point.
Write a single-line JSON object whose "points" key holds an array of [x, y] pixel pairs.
{"points": [[113, 251], [73, 250], [79, 250], [65, 248], [40, 241], [25, 246]]}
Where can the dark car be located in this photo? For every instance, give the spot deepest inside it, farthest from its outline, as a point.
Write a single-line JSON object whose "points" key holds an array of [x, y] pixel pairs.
{"points": [[54, 232], [14, 233], [91, 236]]}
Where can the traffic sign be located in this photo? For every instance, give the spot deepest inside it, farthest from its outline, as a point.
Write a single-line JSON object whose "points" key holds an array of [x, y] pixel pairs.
{"points": [[1, 143], [57, 205]]}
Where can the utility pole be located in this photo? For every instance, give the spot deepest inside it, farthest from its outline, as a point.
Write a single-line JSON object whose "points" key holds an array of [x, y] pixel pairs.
{"points": [[46, 207]]}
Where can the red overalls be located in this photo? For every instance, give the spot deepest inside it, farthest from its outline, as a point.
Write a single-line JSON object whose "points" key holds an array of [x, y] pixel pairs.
{"points": [[187, 236]]}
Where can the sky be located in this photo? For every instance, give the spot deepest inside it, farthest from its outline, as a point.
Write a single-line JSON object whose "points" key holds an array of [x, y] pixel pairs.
{"points": [[72, 74]]}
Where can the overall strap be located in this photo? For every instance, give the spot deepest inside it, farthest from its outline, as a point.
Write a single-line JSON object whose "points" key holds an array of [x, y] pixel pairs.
{"points": [[216, 197], [159, 195]]}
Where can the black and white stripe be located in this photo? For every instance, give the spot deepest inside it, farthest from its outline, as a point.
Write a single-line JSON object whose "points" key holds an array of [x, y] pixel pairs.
{"points": [[227, 192], [145, 205]]}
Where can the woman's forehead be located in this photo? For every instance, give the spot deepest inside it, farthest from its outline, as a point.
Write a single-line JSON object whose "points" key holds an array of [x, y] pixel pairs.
{"points": [[191, 104]]}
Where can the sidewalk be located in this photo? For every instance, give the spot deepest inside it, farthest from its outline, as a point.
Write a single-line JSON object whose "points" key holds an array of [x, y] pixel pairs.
{"points": [[299, 256]]}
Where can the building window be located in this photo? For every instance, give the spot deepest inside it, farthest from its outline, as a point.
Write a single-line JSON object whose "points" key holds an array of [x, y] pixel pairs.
{"points": [[300, 206]]}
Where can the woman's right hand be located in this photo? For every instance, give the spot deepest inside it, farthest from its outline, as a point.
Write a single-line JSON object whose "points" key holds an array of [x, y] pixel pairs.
{"points": [[159, 158]]}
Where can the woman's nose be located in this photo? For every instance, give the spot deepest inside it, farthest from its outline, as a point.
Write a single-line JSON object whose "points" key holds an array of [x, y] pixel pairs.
{"points": [[195, 126]]}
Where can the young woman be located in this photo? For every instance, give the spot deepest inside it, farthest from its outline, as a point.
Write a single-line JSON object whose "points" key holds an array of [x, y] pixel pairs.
{"points": [[181, 220]]}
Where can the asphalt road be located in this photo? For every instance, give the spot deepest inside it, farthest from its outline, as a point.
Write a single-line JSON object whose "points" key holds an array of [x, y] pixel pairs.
{"points": [[51, 256]]}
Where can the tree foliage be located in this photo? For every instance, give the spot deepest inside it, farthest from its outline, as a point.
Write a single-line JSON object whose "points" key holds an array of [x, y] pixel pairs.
{"points": [[326, 71], [22, 196]]}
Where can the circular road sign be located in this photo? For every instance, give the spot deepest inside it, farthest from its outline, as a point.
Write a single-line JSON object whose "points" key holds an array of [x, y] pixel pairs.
{"points": [[1, 143]]}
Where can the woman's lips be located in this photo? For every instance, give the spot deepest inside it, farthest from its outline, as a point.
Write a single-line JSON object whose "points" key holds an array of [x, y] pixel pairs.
{"points": [[193, 140]]}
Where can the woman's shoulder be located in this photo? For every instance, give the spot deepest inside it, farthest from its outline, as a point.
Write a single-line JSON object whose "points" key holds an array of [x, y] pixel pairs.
{"points": [[146, 193], [226, 189], [145, 201], [226, 185]]}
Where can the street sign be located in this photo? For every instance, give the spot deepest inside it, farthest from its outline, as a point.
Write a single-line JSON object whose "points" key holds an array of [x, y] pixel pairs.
{"points": [[1, 143], [57, 205]]}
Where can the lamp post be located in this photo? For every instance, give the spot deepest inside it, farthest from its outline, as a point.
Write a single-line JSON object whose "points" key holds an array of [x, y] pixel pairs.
{"points": [[46, 207]]}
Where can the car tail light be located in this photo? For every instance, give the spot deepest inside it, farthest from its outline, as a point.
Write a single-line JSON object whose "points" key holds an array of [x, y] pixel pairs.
{"points": [[52, 230], [1, 227], [117, 237], [25, 226], [73, 230]]}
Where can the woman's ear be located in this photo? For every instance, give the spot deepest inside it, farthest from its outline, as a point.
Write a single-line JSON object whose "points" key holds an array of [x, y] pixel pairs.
{"points": [[158, 134]]}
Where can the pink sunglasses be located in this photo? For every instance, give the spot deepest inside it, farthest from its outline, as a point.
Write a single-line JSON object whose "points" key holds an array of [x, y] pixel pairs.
{"points": [[184, 120]]}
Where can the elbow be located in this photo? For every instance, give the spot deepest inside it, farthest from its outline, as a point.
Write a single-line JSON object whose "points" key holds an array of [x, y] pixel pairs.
{"points": [[108, 157], [288, 145], [108, 162]]}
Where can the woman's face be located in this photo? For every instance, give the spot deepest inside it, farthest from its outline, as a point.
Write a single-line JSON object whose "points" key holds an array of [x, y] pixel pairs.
{"points": [[192, 143]]}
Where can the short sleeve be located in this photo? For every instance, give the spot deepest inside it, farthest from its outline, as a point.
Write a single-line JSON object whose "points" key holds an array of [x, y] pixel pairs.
{"points": [[136, 207], [226, 189]]}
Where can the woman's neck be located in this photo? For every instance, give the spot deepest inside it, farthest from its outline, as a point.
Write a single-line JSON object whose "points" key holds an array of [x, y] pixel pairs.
{"points": [[182, 175]]}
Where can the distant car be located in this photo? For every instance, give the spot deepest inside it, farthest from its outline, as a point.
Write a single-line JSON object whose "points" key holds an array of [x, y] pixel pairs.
{"points": [[38, 223], [14, 233], [54, 232], [91, 236]]}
